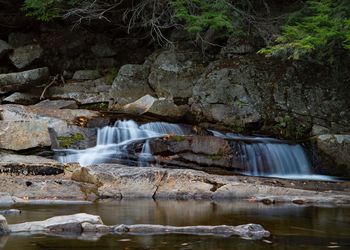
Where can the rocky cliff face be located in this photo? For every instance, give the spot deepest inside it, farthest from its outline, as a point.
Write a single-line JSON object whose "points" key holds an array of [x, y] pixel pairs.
{"points": [[236, 89]]}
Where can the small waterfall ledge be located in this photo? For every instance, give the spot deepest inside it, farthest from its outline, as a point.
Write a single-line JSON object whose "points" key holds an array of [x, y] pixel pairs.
{"points": [[259, 156]]}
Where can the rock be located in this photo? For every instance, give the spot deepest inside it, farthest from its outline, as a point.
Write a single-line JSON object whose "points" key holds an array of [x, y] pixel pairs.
{"points": [[86, 75], [319, 130], [24, 56], [236, 46], [10, 212], [334, 151], [247, 231], [23, 80], [20, 135], [58, 224], [6, 199], [103, 50], [56, 104], [139, 106], [4, 48], [130, 84], [21, 98], [29, 165], [112, 180], [21, 39], [4, 229], [61, 123], [160, 107], [173, 74], [86, 92], [198, 152], [219, 97]]}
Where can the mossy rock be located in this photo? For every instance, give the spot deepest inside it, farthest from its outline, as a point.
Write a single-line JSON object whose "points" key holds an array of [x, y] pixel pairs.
{"points": [[69, 141]]}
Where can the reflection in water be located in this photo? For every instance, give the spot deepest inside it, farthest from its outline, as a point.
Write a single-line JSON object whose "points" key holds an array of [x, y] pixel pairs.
{"points": [[292, 226]]}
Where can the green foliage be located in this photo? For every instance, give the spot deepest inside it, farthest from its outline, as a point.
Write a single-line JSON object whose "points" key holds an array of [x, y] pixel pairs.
{"points": [[201, 15], [46, 10], [315, 32], [288, 127]]}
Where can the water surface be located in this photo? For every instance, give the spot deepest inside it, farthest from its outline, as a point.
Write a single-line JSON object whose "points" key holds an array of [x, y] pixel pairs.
{"points": [[292, 226]]}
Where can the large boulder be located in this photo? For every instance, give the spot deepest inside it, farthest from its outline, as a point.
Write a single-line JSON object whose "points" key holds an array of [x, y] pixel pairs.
{"points": [[334, 151], [4, 48], [24, 56], [20, 135], [173, 74], [66, 126], [86, 92], [160, 107], [220, 96], [23, 80], [131, 84]]}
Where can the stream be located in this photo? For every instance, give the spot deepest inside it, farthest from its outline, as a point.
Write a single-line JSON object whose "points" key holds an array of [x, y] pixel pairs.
{"points": [[291, 226]]}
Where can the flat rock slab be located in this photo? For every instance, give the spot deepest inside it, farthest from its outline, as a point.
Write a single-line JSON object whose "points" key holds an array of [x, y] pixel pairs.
{"points": [[20, 135], [112, 180], [23, 80], [92, 224], [29, 165]]}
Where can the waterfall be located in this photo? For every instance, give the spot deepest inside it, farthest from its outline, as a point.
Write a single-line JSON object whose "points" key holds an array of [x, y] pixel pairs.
{"points": [[112, 142], [261, 156], [258, 156]]}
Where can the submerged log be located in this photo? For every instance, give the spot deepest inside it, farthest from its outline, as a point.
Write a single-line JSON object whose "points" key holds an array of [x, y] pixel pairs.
{"points": [[92, 224]]}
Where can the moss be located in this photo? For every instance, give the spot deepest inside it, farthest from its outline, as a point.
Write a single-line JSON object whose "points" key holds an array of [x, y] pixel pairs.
{"points": [[218, 156], [178, 138], [69, 141], [103, 106], [111, 75]]}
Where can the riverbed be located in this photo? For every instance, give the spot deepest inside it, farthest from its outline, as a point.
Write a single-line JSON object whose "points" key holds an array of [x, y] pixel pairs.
{"points": [[292, 226]]}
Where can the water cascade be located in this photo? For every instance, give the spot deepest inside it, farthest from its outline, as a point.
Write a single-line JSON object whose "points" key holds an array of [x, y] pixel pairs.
{"points": [[263, 156], [112, 142], [259, 156]]}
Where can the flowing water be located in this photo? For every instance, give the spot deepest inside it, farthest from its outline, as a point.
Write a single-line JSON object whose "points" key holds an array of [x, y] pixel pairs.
{"points": [[259, 156], [291, 226]]}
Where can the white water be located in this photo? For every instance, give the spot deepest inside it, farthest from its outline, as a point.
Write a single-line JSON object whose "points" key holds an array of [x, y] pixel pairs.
{"points": [[259, 156], [112, 142], [262, 156]]}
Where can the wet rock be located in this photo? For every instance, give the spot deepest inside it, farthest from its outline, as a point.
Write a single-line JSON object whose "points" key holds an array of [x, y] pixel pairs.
{"points": [[86, 75], [21, 98], [24, 56], [130, 84], [248, 231], [86, 92], [20, 135], [200, 151], [4, 229], [23, 80], [58, 224], [29, 165], [112, 180], [4, 48], [319, 130], [334, 151], [10, 212], [173, 74], [6, 199]]}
